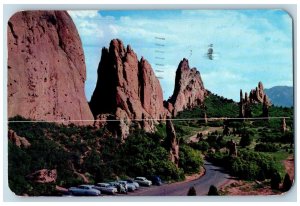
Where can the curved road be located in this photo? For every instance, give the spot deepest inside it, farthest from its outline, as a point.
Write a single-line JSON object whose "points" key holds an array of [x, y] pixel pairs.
{"points": [[214, 175]]}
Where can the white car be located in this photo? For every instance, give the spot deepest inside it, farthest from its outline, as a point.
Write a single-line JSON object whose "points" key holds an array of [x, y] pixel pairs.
{"points": [[120, 187], [134, 183], [143, 181], [106, 188], [84, 190], [130, 187]]}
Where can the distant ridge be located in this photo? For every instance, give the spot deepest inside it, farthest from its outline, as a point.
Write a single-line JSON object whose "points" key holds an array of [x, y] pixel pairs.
{"points": [[281, 95]]}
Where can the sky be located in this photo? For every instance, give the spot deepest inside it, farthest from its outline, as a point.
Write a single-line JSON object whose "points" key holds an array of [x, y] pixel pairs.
{"points": [[248, 45]]}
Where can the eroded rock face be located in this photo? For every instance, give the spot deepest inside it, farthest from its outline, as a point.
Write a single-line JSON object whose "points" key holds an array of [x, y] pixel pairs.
{"points": [[46, 68], [17, 140], [283, 125], [265, 108], [257, 95], [172, 142], [128, 89], [43, 176], [189, 90]]}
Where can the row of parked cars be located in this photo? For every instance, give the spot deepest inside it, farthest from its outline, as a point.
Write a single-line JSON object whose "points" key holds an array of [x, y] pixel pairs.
{"points": [[111, 188]]}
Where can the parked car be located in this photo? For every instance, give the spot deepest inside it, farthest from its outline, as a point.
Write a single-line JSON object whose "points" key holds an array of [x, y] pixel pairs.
{"points": [[106, 188], [84, 190], [133, 182], [120, 187], [130, 187], [155, 180], [143, 181]]}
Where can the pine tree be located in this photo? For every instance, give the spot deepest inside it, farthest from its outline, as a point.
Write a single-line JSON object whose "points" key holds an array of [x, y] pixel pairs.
{"points": [[213, 191], [287, 183], [275, 180], [192, 192]]}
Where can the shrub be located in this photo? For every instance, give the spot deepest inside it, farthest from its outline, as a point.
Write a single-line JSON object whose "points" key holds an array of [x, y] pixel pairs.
{"points": [[189, 159], [287, 183], [201, 145], [213, 191], [245, 140], [248, 165], [275, 180], [266, 148], [192, 192]]}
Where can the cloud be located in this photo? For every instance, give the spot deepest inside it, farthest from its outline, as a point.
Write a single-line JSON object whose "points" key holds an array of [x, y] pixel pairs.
{"points": [[83, 14], [251, 45]]}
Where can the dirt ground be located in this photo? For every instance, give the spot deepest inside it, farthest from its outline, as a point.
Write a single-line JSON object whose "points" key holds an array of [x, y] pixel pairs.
{"points": [[289, 165], [194, 138]]}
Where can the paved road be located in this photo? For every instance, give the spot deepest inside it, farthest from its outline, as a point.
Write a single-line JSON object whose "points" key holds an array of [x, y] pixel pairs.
{"points": [[214, 176]]}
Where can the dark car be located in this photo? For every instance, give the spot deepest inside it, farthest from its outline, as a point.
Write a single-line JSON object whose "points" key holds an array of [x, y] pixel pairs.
{"points": [[155, 180]]}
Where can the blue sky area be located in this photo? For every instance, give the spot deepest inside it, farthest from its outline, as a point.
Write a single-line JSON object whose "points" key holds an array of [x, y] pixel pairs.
{"points": [[249, 45]]}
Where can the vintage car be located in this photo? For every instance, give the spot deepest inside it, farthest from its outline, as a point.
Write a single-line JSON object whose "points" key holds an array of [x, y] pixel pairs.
{"points": [[106, 188], [84, 190], [130, 187], [143, 181], [120, 187], [133, 182]]}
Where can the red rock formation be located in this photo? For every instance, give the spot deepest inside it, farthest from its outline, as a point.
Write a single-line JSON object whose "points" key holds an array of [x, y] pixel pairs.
{"points": [[283, 125], [17, 140], [257, 95], [46, 68], [172, 142], [231, 145], [189, 89], [127, 88], [43, 176]]}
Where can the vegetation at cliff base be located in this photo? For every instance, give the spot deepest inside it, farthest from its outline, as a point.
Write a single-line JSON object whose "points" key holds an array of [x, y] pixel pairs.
{"points": [[76, 151]]}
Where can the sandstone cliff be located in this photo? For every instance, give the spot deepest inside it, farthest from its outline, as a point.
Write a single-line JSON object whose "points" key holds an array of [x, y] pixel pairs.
{"points": [[189, 90], [128, 89], [46, 68]]}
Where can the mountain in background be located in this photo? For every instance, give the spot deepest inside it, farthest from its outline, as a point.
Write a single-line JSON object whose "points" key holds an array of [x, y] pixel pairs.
{"points": [[281, 95]]}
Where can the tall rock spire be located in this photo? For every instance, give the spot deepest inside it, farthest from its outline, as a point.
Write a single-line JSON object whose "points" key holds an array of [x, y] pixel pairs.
{"points": [[46, 68], [128, 89], [189, 89], [172, 142]]}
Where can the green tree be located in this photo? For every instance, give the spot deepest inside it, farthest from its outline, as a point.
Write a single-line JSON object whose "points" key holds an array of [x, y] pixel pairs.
{"points": [[189, 159], [213, 191], [192, 192], [287, 183], [226, 130], [275, 180], [245, 140]]}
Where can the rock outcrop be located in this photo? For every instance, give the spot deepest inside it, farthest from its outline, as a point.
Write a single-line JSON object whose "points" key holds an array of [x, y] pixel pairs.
{"points": [[127, 89], [265, 108], [43, 176], [244, 106], [232, 148], [283, 125], [172, 142], [46, 68], [189, 90], [17, 140], [257, 95]]}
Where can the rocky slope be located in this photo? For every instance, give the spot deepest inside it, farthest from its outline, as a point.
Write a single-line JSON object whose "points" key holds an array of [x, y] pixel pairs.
{"points": [[46, 68], [189, 89], [128, 89]]}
